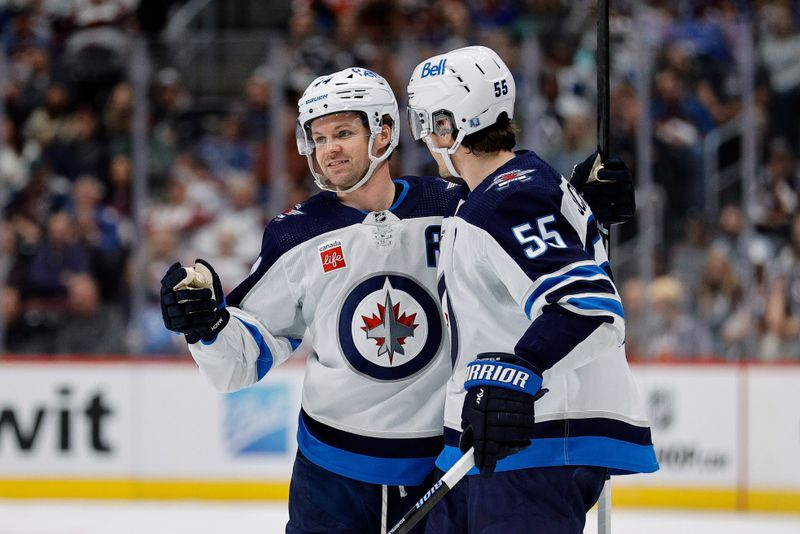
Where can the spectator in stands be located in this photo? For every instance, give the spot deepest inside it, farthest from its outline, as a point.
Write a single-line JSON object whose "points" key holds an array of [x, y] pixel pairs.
{"points": [[14, 172], [118, 115], [783, 306], [49, 122], [228, 148], [120, 182], [97, 51], [20, 237], [730, 239], [163, 246], [680, 121], [688, 256], [104, 234], [241, 216], [20, 336], [28, 87], [578, 133], [173, 123], [84, 153], [257, 111], [57, 257], [720, 303], [673, 334], [779, 50], [90, 327], [775, 198]]}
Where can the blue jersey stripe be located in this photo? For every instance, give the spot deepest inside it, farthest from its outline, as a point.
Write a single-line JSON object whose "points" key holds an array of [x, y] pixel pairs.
{"points": [[371, 446], [597, 286], [390, 471], [598, 304], [591, 426], [294, 342], [264, 361], [582, 271], [620, 457], [402, 196]]}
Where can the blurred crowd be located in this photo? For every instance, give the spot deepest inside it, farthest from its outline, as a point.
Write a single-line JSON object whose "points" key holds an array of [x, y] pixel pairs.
{"points": [[77, 241]]}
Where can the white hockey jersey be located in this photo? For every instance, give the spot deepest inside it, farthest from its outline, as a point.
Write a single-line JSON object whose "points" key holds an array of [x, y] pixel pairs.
{"points": [[364, 285], [523, 271]]}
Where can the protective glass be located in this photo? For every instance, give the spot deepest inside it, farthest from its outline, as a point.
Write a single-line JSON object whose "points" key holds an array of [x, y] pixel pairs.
{"points": [[421, 123]]}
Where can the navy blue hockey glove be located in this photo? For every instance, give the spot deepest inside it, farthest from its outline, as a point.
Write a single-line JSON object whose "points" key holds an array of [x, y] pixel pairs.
{"points": [[607, 188], [192, 301], [498, 416]]}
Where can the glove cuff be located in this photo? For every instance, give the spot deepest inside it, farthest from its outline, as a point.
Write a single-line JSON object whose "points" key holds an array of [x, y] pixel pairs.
{"points": [[210, 335], [497, 373]]}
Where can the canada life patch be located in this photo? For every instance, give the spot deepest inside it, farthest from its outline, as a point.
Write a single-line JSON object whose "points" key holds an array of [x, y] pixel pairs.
{"points": [[331, 255]]}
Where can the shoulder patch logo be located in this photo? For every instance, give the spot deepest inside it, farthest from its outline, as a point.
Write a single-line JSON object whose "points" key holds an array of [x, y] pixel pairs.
{"points": [[502, 181], [291, 211], [331, 254]]}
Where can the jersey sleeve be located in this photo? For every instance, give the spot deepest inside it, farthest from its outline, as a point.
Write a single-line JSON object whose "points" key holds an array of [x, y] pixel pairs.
{"points": [[265, 327], [543, 245]]}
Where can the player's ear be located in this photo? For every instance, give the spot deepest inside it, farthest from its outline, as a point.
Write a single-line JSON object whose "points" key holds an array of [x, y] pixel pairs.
{"points": [[383, 139], [386, 134]]}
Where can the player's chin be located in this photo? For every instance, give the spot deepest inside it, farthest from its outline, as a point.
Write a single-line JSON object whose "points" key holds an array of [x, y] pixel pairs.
{"points": [[342, 183]]}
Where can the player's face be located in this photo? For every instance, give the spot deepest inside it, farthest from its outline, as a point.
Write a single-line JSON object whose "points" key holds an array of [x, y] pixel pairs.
{"points": [[340, 148]]}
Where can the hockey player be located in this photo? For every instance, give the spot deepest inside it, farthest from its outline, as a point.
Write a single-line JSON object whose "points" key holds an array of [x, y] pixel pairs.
{"points": [[540, 387], [356, 267]]}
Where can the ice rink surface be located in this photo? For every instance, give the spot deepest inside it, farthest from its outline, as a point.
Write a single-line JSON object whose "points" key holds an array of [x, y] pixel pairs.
{"points": [[122, 517]]}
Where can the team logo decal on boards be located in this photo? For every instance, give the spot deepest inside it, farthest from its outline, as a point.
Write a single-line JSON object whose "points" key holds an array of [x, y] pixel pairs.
{"points": [[389, 327], [509, 177], [331, 255]]}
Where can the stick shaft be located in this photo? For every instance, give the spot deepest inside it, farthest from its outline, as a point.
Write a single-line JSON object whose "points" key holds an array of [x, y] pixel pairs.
{"points": [[603, 147], [435, 494], [603, 72]]}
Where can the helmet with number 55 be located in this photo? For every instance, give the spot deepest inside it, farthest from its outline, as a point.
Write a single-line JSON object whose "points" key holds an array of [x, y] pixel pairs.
{"points": [[460, 92]]}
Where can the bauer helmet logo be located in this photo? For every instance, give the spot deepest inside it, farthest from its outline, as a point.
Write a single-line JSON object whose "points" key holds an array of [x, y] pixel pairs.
{"points": [[315, 99], [430, 69]]}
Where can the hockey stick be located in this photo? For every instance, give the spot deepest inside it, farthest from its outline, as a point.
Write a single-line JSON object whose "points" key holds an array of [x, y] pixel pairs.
{"points": [[603, 134], [435, 494]]}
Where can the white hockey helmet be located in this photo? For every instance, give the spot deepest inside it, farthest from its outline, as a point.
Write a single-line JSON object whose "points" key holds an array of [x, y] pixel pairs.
{"points": [[354, 89], [465, 90]]}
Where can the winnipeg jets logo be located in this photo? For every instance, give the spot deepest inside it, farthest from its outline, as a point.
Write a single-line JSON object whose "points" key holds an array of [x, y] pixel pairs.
{"points": [[505, 179], [389, 328], [291, 211]]}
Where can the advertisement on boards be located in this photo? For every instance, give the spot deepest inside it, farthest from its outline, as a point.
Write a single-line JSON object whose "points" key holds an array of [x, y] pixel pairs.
{"points": [[693, 411]]}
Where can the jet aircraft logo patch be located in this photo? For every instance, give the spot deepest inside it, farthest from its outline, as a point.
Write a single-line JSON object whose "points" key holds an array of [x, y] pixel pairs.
{"points": [[389, 328]]}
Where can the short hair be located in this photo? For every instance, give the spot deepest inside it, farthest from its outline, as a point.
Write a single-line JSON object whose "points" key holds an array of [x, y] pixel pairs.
{"points": [[500, 136]]}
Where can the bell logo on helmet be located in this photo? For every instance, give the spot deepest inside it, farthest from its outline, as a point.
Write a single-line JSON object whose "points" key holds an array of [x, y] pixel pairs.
{"points": [[429, 69], [474, 123]]}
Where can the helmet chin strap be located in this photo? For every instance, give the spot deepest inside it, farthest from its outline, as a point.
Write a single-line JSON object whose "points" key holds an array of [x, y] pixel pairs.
{"points": [[446, 152], [322, 182]]}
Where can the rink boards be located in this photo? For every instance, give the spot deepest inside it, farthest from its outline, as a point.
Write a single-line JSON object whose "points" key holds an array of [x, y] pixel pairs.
{"points": [[727, 436]]}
